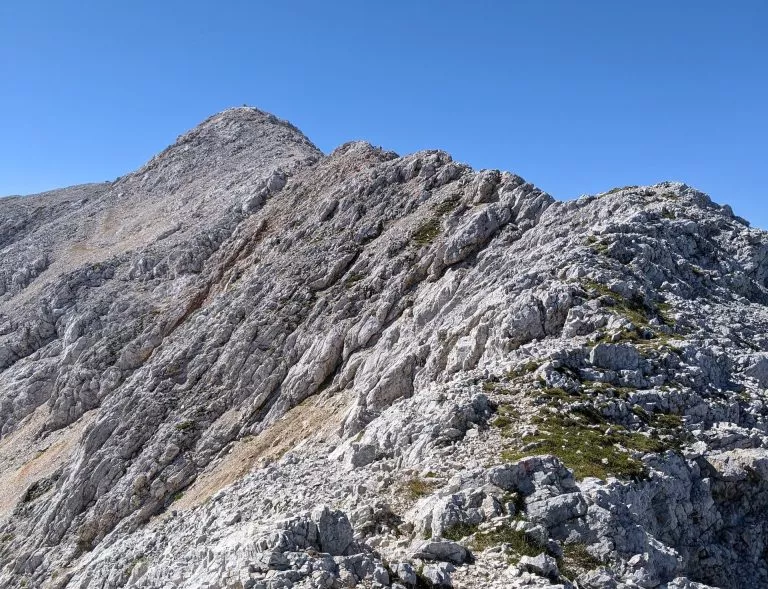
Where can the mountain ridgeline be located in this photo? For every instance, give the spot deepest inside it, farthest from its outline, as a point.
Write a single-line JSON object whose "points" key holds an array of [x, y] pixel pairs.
{"points": [[250, 365]]}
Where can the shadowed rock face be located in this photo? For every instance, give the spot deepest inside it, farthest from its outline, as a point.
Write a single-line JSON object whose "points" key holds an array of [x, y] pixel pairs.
{"points": [[245, 332]]}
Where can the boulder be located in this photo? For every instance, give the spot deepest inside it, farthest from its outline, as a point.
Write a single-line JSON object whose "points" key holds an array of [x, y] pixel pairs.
{"points": [[759, 369], [554, 511], [334, 532], [542, 565], [439, 549], [439, 575], [615, 356]]}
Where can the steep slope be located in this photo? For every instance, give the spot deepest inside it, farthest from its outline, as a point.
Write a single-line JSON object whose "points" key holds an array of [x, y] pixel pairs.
{"points": [[245, 330], [137, 238]]}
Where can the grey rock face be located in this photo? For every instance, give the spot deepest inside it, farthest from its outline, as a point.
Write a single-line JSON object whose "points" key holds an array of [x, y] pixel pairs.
{"points": [[439, 575], [250, 364], [439, 549], [334, 531], [542, 565], [557, 510], [615, 356]]}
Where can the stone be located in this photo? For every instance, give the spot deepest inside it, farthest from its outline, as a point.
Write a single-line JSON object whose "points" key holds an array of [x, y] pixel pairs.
{"points": [[598, 579], [271, 561], [439, 549], [759, 369], [557, 510], [381, 576], [334, 532], [543, 565], [615, 356], [439, 575], [406, 573], [360, 455]]}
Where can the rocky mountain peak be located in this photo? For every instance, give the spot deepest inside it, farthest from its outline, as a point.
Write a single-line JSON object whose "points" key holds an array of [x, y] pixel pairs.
{"points": [[240, 142], [248, 364], [244, 126]]}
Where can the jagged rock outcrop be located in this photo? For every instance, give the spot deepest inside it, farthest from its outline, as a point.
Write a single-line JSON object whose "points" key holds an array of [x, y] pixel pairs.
{"points": [[252, 365]]}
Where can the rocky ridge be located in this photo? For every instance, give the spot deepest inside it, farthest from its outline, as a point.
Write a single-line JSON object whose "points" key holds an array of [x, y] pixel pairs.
{"points": [[251, 365]]}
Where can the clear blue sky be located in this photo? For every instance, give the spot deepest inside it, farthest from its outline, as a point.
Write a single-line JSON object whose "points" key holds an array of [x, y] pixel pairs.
{"points": [[576, 96]]}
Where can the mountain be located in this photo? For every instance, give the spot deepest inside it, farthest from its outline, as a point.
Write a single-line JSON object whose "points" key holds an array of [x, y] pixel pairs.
{"points": [[250, 365]]}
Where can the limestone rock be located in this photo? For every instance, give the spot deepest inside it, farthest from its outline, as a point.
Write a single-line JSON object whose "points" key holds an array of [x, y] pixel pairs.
{"points": [[542, 565], [249, 364], [439, 549], [439, 575]]}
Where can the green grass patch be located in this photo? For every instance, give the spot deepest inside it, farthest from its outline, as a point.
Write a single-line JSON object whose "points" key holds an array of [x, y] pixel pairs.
{"points": [[597, 245], [670, 430], [446, 206], [353, 279], [426, 233], [664, 311], [416, 488], [587, 450], [459, 532], [525, 368], [551, 394], [602, 289], [622, 336], [588, 413], [617, 392], [660, 342], [506, 415], [634, 310], [577, 560], [491, 387], [641, 413], [185, 425], [518, 541], [129, 569], [667, 421]]}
